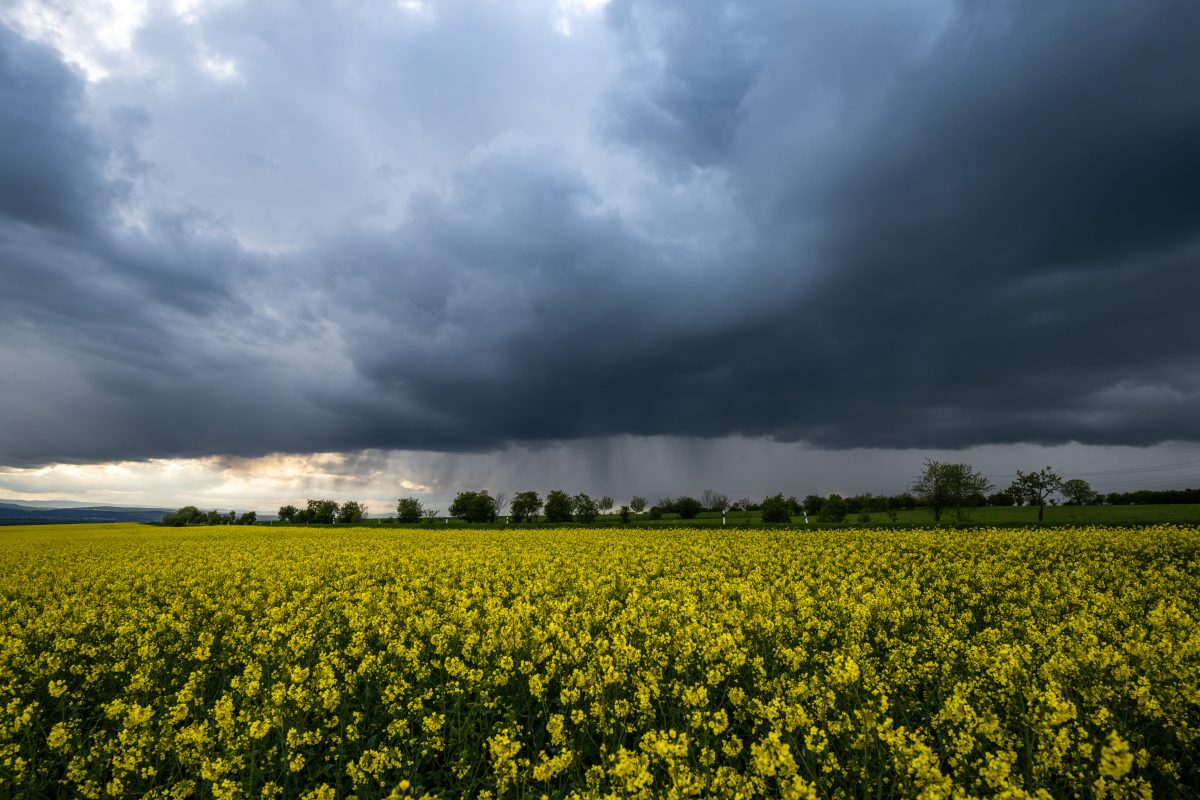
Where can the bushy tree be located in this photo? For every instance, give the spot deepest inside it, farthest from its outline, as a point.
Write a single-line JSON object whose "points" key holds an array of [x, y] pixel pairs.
{"points": [[945, 486], [351, 511], [409, 509], [558, 506], [249, 518], [686, 507], [322, 512], [624, 512], [637, 503], [1078, 492], [833, 509], [188, 515], [1036, 487], [584, 508], [288, 513], [525, 506], [474, 507], [776, 508]]}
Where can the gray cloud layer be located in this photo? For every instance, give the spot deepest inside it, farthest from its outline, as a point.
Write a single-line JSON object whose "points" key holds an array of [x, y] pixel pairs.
{"points": [[941, 225]]}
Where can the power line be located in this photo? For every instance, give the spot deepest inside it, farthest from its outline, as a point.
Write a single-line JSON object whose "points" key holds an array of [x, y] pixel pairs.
{"points": [[1118, 471]]}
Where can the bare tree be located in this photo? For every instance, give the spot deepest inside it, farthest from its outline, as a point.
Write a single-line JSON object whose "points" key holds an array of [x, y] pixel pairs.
{"points": [[1035, 487], [638, 504], [942, 486]]}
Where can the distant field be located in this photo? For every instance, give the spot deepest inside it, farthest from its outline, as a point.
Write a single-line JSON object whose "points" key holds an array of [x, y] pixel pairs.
{"points": [[247, 662]]}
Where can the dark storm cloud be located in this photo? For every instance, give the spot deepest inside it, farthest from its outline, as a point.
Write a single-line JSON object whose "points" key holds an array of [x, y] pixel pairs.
{"points": [[49, 162], [936, 226], [1004, 255]]}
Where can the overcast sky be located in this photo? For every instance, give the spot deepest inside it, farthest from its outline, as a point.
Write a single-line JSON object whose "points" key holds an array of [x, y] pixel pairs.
{"points": [[254, 250]]}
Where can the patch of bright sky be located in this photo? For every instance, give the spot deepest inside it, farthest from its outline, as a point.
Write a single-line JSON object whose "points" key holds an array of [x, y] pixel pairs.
{"points": [[569, 10], [261, 484], [98, 36], [95, 36]]}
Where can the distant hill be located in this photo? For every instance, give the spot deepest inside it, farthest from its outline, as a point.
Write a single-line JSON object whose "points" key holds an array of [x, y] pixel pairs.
{"points": [[16, 513]]}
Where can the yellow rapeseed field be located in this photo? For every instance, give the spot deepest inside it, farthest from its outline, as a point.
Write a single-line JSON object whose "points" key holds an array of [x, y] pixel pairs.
{"points": [[287, 662]]}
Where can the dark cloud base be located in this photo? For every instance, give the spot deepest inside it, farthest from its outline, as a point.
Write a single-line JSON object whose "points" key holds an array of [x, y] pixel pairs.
{"points": [[985, 234]]}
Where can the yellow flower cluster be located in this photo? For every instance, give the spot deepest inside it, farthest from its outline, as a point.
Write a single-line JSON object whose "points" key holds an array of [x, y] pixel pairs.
{"points": [[287, 662]]}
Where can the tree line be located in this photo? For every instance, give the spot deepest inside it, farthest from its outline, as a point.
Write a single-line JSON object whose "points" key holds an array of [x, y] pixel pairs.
{"points": [[321, 512], [943, 489], [190, 515]]}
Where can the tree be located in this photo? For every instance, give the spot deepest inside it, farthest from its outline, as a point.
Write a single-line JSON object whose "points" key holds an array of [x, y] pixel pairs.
{"points": [[408, 509], [322, 512], [1078, 492], [714, 501], [605, 504], [474, 507], [948, 486], [558, 506], [351, 512], [624, 514], [585, 508], [776, 508], [637, 503], [188, 515], [501, 502], [813, 503], [525, 506], [249, 518], [1035, 487], [686, 507], [833, 509], [288, 513]]}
